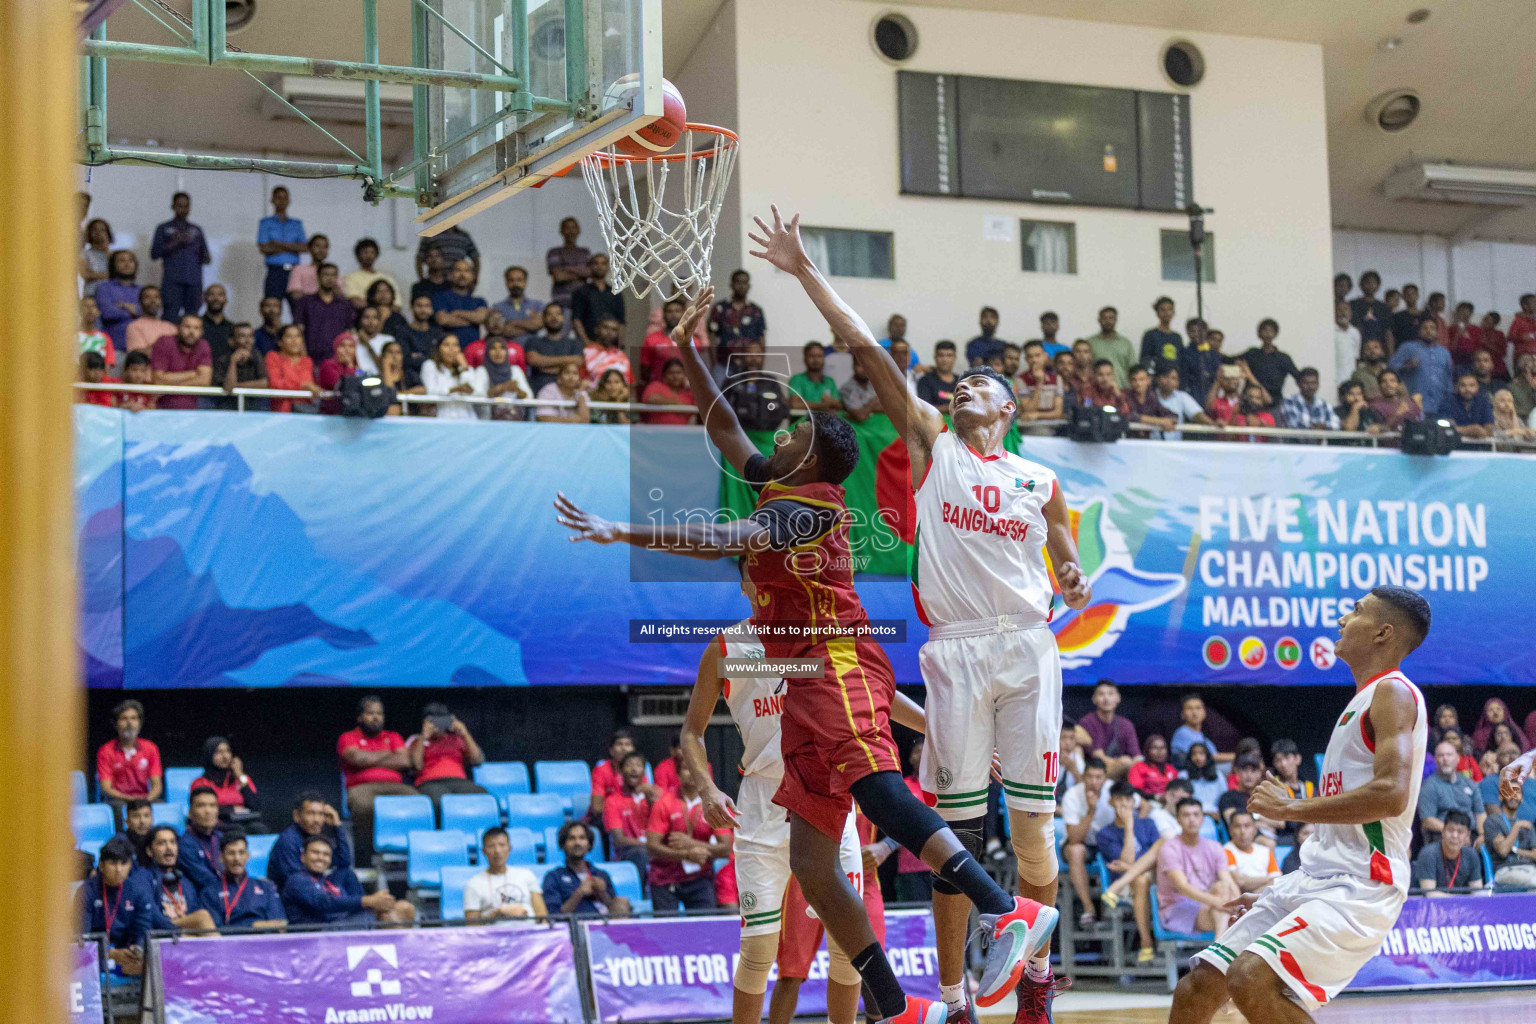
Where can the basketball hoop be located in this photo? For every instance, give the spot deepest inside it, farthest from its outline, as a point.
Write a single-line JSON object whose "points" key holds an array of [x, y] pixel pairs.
{"points": [[653, 244]]}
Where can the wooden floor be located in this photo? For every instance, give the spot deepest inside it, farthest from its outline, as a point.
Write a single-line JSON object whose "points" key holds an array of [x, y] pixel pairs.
{"points": [[1476, 1006]]}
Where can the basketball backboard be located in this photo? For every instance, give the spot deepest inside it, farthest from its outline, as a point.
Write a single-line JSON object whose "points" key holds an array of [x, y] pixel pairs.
{"points": [[493, 144]]}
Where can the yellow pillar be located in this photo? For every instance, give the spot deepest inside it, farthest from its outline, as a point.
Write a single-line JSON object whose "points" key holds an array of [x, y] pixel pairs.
{"points": [[39, 682]]}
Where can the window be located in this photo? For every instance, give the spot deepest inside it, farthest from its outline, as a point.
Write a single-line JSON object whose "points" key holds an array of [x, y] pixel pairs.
{"points": [[1179, 258], [1050, 247], [846, 253]]}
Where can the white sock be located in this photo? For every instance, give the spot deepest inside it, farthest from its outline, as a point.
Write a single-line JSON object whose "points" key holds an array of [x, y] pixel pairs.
{"points": [[1038, 969], [953, 995]]}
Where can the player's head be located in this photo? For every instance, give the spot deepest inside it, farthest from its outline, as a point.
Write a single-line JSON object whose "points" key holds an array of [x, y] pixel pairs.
{"points": [[1389, 621], [822, 447], [748, 591], [982, 397]]}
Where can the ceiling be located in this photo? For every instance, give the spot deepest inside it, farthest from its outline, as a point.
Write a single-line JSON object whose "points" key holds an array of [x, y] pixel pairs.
{"points": [[1470, 62]]}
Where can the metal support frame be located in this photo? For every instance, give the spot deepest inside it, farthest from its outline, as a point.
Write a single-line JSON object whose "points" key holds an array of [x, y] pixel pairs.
{"points": [[208, 47]]}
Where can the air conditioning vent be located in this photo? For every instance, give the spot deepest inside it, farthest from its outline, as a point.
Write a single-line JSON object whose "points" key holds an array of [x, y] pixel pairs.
{"points": [[336, 101], [669, 707], [1454, 183]]}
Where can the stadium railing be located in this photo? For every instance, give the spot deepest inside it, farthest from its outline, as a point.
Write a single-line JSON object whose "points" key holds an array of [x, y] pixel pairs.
{"points": [[1352, 438]]}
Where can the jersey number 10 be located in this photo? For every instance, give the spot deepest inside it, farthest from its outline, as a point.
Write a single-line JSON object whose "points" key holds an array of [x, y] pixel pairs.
{"points": [[990, 497], [1052, 766]]}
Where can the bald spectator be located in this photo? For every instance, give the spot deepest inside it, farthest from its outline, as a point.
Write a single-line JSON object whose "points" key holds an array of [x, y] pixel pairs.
{"points": [[1447, 791]]}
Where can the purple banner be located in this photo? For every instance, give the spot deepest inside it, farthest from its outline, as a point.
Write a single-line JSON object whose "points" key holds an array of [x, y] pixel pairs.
{"points": [[681, 969], [1447, 941], [85, 985], [486, 975]]}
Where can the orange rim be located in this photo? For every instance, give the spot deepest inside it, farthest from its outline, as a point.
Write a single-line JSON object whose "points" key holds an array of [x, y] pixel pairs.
{"points": [[724, 136]]}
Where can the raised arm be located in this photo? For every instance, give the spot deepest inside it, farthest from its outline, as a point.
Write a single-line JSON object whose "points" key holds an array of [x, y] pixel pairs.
{"points": [[719, 810], [780, 245], [718, 417], [1392, 714], [730, 538]]}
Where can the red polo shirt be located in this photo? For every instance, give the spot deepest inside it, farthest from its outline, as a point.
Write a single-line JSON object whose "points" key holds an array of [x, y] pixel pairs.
{"points": [[671, 814], [128, 773], [383, 741], [606, 779], [629, 814]]}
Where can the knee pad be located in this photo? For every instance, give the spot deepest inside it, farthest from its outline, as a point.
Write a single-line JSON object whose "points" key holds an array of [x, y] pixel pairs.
{"points": [[971, 832], [757, 956], [1034, 844], [840, 971]]}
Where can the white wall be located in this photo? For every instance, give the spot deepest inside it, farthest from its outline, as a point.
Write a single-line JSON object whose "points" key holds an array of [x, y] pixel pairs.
{"points": [[228, 206], [1490, 275], [819, 133], [707, 80]]}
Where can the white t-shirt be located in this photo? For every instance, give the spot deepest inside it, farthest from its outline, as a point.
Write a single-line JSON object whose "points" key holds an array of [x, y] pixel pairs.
{"points": [[486, 892], [1346, 352], [1167, 824], [440, 382], [1258, 862], [367, 365], [1074, 808], [1182, 405]]}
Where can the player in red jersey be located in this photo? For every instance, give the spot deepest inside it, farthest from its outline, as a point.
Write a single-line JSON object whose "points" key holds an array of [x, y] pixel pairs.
{"points": [[836, 734]]}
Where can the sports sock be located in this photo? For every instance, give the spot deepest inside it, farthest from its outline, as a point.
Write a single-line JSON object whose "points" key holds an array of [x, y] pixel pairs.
{"points": [[953, 996], [1038, 969], [965, 874], [880, 982]]}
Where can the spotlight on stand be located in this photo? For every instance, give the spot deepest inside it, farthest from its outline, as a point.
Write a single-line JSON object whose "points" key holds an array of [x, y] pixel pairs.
{"points": [[366, 397], [1430, 437], [1101, 423]]}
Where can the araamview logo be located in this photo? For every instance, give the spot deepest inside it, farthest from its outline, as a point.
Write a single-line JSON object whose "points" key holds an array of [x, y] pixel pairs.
{"points": [[1119, 588]]}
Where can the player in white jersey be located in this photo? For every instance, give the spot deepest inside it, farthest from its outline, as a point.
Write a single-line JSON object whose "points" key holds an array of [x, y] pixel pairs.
{"points": [[985, 518], [756, 704], [1296, 945]]}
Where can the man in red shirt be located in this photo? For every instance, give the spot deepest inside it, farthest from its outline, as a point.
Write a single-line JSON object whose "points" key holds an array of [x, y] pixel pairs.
{"points": [[607, 778], [442, 754], [1522, 328], [627, 813], [372, 759], [658, 346], [683, 847], [128, 767]]}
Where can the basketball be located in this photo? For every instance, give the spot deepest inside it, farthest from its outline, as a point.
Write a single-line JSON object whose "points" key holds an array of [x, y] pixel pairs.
{"points": [[661, 134]]}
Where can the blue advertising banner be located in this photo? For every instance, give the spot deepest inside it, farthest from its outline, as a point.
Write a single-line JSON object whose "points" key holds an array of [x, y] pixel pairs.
{"points": [[503, 975], [223, 549], [1449, 941], [681, 968], [85, 985]]}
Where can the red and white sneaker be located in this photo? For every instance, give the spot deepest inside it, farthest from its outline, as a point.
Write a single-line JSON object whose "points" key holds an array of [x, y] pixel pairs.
{"points": [[1035, 998], [920, 1011], [964, 1015], [1014, 938]]}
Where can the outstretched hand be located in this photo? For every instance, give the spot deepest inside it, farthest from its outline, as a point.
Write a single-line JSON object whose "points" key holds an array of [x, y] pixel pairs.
{"points": [[1074, 585], [1512, 778], [585, 525], [683, 332], [779, 245]]}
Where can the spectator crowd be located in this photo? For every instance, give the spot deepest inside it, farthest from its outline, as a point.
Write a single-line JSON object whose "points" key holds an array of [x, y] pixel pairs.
{"points": [[1139, 813], [1395, 360]]}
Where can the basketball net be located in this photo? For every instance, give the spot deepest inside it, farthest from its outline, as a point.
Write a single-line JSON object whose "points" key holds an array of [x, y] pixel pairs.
{"points": [[659, 240]]}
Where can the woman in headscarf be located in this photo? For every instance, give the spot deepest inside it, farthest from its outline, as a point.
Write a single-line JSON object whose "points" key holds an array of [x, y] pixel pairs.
{"points": [[225, 775], [505, 379], [343, 363], [1494, 712]]}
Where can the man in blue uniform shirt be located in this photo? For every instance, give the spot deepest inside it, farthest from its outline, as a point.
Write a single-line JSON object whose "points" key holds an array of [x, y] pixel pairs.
{"points": [[198, 857], [174, 899], [111, 903], [316, 894], [238, 900], [312, 816]]}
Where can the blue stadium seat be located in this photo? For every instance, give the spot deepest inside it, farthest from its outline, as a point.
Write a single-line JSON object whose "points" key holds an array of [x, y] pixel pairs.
{"points": [[454, 878], [1162, 934], [93, 848], [500, 778], [428, 851], [1282, 852], [92, 823], [1319, 760], [170, 812], [344, 809], [77, 788], [470, 813], [1101, 869], [570, 779], [178, 784], [549, 844], [395, 816], [626, 879], [1487, 867], [1210, 830], [536, 811], [525, 846], [261, 849]]}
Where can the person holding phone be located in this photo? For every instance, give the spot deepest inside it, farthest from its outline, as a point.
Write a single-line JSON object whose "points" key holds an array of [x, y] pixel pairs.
{"points": [[442, 755]]}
